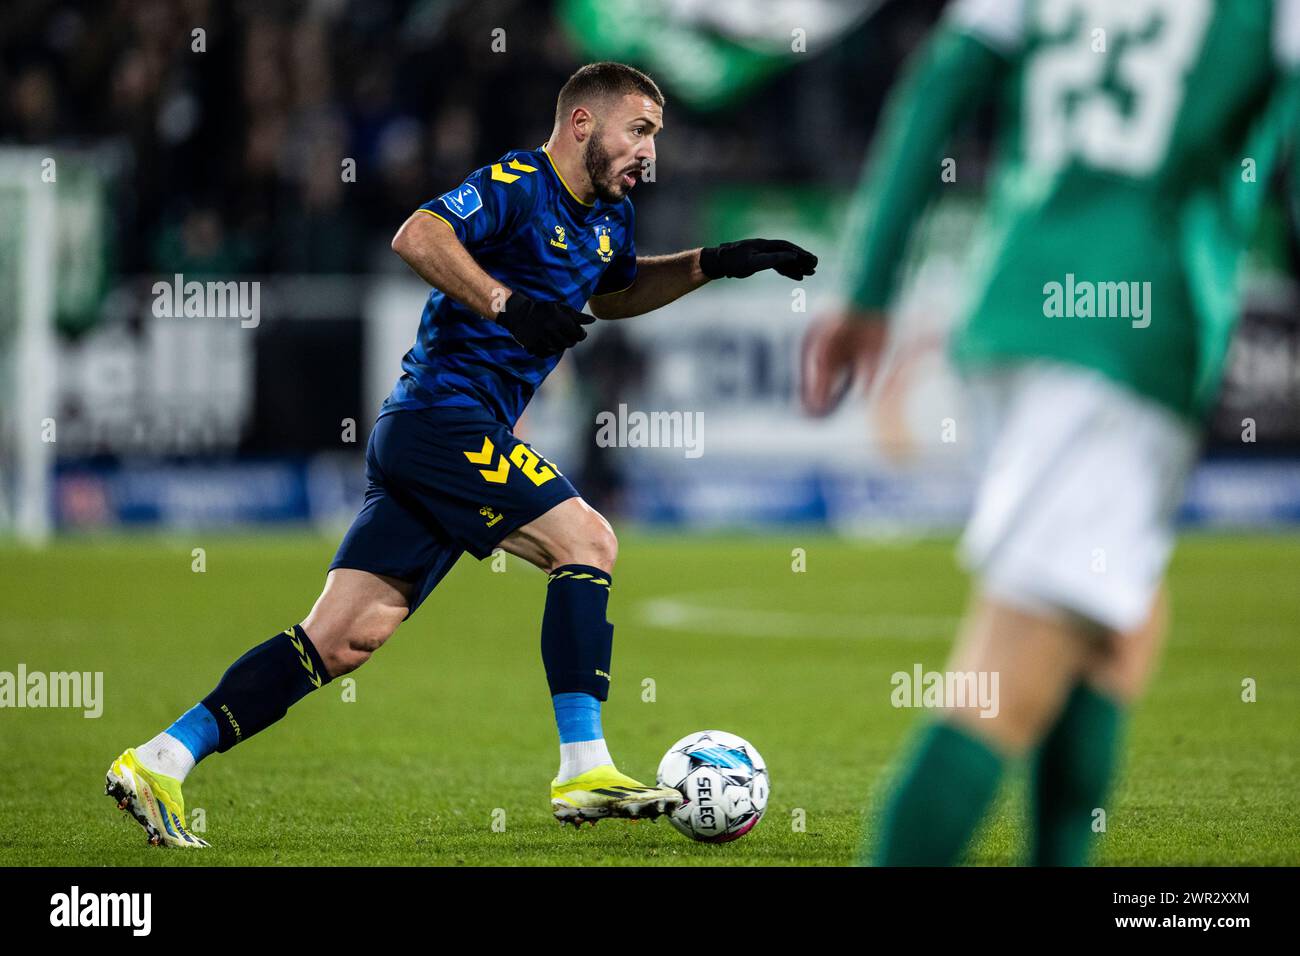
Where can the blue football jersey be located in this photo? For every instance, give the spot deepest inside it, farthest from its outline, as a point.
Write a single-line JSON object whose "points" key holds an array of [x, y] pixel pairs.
{"points": [[525, 227]]}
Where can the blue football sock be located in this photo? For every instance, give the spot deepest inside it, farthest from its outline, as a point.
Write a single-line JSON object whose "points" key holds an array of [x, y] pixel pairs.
{"points": [[197, 730], [578, 717]]}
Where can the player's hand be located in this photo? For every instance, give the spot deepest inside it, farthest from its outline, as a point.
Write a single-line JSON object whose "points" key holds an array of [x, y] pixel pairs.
{"points": [[838, 349], [739, 260], [543, 328]]}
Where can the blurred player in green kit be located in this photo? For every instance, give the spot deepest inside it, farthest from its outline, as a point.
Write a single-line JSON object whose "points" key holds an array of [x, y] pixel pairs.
{"points": [[1135, 143]]}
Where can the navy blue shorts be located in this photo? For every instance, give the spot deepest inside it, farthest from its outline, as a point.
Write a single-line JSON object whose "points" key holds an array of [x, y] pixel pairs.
{"points": [[443, 481]]}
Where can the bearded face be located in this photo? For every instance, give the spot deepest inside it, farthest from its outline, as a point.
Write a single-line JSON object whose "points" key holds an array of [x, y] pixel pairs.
{"points": [[611, 176]]}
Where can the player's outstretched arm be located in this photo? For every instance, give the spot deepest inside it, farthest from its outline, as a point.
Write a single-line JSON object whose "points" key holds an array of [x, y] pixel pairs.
{"points": [[662, 279], [659, 280], [427, 244]]}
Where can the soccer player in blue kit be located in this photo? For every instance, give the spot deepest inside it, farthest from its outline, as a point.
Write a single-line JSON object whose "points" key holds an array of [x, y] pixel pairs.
{"points": [[513, 255]]}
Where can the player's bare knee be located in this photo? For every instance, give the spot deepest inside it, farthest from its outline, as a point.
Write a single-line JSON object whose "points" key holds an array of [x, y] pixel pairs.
{"points": [[1121, 675], [345, 656], [344, 644], [1033, 713], [995, 732], [1019, 722], [599, 544], [1121, 666], [604, 545], [591, 541], [371, 630], [329, 642]]}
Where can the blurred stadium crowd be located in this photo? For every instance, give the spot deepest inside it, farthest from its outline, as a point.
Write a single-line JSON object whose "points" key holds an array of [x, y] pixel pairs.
{"points": [[229, 160], [227, 153]]}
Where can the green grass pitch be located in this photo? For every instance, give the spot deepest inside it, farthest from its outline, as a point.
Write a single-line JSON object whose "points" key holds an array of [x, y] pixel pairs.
{"points": [[450, 731]]}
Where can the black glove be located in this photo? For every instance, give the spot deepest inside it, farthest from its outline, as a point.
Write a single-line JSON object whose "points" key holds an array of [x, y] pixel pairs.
{"points": [[739, 260], [543, 328]]}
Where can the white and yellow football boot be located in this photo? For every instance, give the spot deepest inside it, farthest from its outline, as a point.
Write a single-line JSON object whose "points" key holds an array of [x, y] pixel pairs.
{"points": [[154, 799], [604, 792]]}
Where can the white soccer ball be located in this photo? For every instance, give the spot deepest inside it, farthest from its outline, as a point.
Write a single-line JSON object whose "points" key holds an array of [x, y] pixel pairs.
{"points": [[724, 782]]}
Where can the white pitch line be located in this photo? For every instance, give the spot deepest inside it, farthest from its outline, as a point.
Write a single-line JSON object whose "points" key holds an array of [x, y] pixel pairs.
{"points": [[731, 613]]}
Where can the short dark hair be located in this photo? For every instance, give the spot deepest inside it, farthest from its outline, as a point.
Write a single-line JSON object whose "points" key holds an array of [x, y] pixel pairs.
{"points": [[602, 80]]}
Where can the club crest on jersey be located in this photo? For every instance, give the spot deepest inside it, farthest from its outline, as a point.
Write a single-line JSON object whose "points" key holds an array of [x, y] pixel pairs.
{"points": [[603, 248], [558, 242], [463, 202]]}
